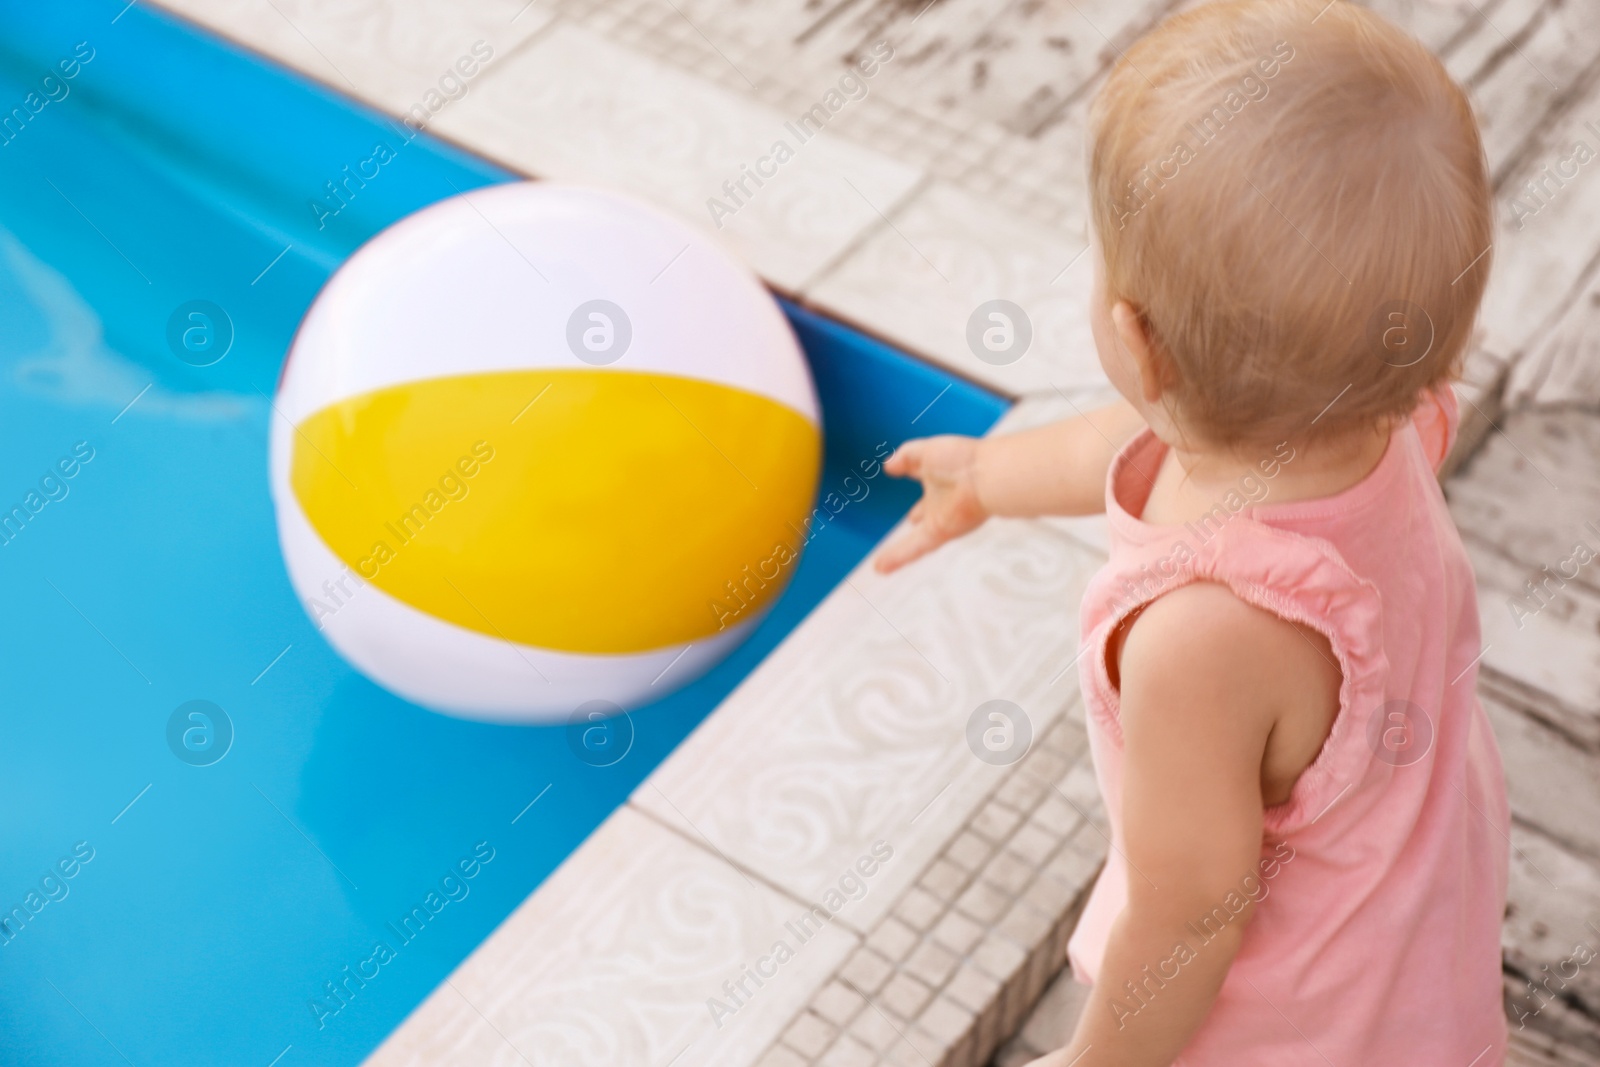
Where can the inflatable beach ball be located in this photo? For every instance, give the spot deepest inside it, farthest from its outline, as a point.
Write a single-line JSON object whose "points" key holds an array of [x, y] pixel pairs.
{"points": [[538, 446]]}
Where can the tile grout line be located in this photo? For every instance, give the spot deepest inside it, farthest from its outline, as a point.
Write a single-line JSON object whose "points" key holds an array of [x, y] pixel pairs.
{"points": [[740, 867], [1038, 966], [871, 230]]}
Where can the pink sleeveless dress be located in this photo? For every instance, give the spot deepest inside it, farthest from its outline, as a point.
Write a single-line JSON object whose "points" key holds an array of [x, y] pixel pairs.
{"points": [[1376, 939]]}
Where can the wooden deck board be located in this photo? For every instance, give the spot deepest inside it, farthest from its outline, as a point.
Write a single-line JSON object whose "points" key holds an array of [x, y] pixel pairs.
{"points": [[1563, 366], [1439, 26], [1524, 504], [1530, 491], [1550, 666], [1554, 898], [1524, 66], [1548, 233], [1550, 775]]}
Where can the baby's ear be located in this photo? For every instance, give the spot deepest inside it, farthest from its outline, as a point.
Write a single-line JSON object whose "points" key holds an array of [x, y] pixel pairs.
{"points": [[1133, 334]]}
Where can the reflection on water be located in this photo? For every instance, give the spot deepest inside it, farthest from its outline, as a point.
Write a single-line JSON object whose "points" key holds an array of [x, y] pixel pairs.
{"points": [[54, 346]]}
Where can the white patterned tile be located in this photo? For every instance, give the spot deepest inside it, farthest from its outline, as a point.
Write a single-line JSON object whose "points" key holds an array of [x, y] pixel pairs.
{"points": [[389, 55], [921, 280], [576, 107], [613, 959], [855, 728]]}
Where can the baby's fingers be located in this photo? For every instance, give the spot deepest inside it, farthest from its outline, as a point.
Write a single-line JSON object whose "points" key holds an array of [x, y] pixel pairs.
{"points": [[912, 543], [906, 462]]}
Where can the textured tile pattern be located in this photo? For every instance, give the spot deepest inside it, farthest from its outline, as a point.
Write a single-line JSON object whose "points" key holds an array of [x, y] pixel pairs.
{"points": [[555, 100], [391, 56], [962, 954], [925, 276], [670, 138], [614, 959], [976, 94], [855, 729]]}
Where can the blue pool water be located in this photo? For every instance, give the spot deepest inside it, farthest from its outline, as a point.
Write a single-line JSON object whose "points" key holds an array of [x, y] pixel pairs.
{"points": [[217, 900]]}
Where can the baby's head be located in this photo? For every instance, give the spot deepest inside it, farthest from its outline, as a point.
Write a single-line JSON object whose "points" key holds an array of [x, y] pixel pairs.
{"points": [[1293, 209]]}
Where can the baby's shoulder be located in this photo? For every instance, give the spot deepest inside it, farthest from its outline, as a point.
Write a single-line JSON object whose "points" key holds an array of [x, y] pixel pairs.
{"points": [[1203, 649], [1205, 622]]}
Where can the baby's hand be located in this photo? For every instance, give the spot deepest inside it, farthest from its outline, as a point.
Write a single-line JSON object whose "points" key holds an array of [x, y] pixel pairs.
{"points": [[946, 467]]}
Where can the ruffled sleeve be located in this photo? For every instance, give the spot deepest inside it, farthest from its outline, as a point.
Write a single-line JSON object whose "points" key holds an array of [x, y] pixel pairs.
{"points": [[1297, 578]]}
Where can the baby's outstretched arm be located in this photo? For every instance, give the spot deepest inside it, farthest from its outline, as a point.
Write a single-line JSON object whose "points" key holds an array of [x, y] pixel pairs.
{"points": [[1059, 469]]}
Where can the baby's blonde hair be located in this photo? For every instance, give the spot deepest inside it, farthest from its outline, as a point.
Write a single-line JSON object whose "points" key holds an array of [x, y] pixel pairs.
{"points": [[1294, 196]]}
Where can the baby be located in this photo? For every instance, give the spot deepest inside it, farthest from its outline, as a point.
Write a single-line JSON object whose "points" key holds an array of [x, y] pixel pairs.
{"points": [[1308, 855]]}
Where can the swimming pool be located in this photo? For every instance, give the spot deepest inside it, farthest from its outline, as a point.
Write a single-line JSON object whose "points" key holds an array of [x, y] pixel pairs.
{"points": [[208, 907]]}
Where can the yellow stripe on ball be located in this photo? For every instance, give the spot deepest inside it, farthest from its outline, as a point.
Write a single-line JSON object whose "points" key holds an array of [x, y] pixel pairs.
{"points": [[614, 514]]}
